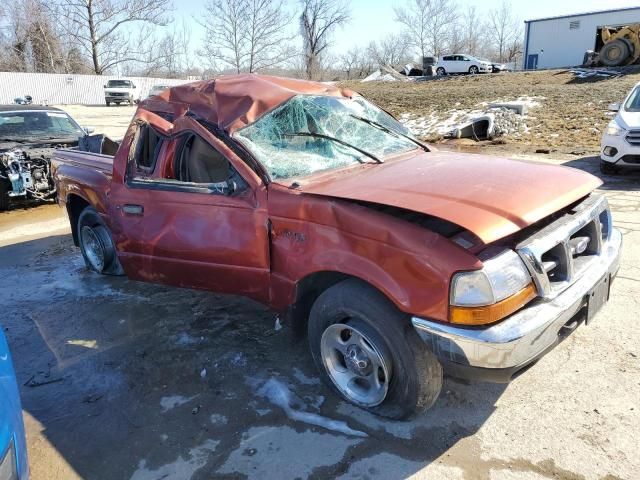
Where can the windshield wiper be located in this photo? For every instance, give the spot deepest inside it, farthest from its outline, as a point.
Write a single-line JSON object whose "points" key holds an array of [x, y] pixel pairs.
{"points": [[334, 139], [389, 131]]}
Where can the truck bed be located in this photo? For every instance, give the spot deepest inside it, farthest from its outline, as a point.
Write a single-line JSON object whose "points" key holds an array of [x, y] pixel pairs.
{"points": [[95, 161]]}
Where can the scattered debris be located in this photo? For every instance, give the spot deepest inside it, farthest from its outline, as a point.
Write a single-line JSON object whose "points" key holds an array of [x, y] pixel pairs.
{"points": [[218, 419], [590, 72], [278, 394], [32, 382], [196, 409], [168, 403], [386, 74], [278, 326], [546, 151], [203, 373], [92, 398]]}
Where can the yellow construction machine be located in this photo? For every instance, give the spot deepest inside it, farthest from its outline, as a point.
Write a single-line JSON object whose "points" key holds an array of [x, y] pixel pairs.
{"points": [[620, 46]]}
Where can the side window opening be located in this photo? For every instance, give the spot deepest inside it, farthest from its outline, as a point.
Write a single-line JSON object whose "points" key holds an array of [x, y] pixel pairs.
{"points": [[197, 162], [144, 150]]}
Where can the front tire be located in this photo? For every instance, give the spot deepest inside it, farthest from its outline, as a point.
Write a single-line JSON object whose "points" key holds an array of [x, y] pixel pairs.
{"points": [[96, 245], [107, 102], [368, 352], [473, 70], [441, 71]]}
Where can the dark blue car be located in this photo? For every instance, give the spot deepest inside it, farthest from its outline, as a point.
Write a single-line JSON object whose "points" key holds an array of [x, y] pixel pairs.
{"points": [[13, 447]]}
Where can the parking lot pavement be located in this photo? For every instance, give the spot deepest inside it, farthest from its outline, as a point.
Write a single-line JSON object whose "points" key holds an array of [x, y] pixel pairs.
{"points": [[111, 121], [128, 380]]}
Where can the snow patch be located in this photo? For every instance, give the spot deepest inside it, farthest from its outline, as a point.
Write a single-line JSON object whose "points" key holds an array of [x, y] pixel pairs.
{"points": [[218, 419], [173, 401], [279, 394], [302, 379], [181, 469]]}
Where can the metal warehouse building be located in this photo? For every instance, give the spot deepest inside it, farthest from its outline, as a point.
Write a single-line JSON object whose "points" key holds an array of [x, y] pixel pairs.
{"points": [[561, 41]]}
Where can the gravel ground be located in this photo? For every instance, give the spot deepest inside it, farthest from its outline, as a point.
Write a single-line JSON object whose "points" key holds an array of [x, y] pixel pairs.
{"points": [[153, 382]]}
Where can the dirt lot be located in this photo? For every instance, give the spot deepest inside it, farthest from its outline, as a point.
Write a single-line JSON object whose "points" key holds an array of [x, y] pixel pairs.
{"points": [[121, 379], [571, 115]]}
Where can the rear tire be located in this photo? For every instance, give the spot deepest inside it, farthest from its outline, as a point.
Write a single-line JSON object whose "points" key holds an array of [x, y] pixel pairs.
{"points": [[615, 53], [441, 71], [96, 244], [607, 168], [4, 196], [368, 352]]}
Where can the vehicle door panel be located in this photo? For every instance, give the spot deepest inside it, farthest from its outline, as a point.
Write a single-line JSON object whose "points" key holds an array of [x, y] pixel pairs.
{"points": [[191, 238]]}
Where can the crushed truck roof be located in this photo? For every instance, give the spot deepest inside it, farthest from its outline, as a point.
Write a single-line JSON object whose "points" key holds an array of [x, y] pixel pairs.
{"points": [[235, 101]]}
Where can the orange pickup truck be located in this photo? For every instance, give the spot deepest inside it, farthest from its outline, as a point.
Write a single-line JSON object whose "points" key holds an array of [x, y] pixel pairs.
{"points": [[399, 261]]}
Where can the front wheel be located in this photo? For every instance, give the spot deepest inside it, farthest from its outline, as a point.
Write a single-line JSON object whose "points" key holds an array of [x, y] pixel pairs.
{"points": [[441, 71], [97, 247], [107, 102], [473, 70], [368, 352]]}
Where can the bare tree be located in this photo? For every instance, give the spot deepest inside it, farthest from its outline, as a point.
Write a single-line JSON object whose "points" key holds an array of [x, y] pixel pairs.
{"points": [[99, 28], [393, 50], [428, 24], [246, 35], [318, 20], [356, 63], [504, 31], [472, 26]]}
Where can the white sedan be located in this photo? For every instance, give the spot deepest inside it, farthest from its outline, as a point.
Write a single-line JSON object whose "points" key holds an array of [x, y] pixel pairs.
{"points": [[620, 146], [462, 64]]}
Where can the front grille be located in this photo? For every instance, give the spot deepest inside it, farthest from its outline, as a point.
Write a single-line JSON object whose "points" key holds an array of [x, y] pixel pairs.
{"points": [[633, 137], [118, 94], [631, 159], [561, 251]]}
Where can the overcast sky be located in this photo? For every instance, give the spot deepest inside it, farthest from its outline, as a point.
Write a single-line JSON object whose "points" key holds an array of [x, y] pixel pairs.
{"points": [[374, 18]]}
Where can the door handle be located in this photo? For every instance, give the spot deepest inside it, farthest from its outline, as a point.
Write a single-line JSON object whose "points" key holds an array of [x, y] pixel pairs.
{"points": [[129, 209]]}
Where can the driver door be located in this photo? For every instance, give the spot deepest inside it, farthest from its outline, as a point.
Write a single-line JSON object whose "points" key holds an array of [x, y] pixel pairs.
{"points": [[190, 214]]}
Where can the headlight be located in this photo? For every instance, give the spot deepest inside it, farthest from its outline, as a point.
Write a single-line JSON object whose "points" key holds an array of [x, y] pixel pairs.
{"points": [[484, 296], [614, 129]]}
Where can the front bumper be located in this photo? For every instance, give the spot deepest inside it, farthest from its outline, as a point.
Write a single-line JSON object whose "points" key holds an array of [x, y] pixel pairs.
{"points": [[625, 153], [499, 352]]}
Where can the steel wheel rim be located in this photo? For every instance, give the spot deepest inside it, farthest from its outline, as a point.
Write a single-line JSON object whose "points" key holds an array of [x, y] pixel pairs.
{"points": [[354, 365], [93, 248]]}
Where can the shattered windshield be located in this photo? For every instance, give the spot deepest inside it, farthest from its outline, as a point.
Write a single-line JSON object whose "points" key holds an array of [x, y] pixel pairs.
{"points": [[310, 134]]}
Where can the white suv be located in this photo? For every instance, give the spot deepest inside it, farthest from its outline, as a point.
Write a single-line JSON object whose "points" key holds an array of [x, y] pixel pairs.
{"points": [[620, 145], [462, 64]]}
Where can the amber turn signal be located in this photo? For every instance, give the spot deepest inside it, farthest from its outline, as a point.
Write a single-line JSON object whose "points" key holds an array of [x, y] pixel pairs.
{"points": [[492, 313]]}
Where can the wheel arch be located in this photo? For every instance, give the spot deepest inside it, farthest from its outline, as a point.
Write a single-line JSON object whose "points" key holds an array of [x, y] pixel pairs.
{"points": [[75, 205], [309, 288]]}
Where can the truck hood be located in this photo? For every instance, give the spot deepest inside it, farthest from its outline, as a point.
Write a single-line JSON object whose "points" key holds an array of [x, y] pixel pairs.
{"points": [[489, 196], [629, 120]]}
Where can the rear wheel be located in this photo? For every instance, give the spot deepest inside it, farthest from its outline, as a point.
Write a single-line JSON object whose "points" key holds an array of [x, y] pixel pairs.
{"points": [[615, 53], [97, 247], [441, 71], [473, 70], [368, 352], [4, 196]]}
